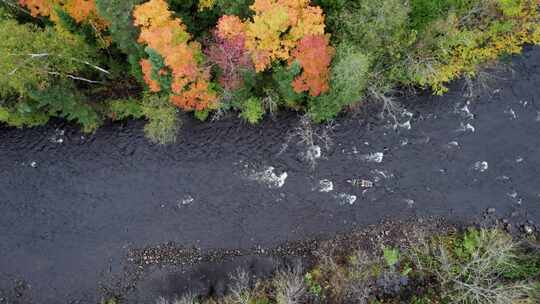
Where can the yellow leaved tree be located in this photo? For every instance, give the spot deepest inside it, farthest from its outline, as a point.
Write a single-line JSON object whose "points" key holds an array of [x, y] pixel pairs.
{"points": [[166, 36]]}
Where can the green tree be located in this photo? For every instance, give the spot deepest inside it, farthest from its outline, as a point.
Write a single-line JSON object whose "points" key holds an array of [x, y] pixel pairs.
{"points": [[38, 71], [350, 75], [163, 123], [124, 34]]}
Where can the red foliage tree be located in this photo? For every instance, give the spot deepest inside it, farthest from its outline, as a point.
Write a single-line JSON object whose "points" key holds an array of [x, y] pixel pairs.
{"points": [[228, 51]]}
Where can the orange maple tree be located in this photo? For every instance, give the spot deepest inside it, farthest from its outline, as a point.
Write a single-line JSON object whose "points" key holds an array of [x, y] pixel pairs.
{"points": [[168, 36], [230, 27], [314, 54], [80, 10]]}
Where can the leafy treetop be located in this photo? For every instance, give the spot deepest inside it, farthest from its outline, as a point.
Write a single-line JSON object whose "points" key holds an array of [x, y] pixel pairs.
{"points": [[277, 26], [79, 10], [315, 56], [168, 37]]}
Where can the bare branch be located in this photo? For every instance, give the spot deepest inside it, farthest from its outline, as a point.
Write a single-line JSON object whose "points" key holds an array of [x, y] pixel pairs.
{"points": [[92, 65], [76, 78], [32, 56]]}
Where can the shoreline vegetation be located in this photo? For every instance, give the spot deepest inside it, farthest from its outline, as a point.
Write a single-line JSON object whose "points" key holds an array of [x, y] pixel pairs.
{"points": [[417, 262], [90, 60]]}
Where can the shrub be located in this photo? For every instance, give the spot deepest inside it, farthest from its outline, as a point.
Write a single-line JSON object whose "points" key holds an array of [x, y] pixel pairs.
{"points": [[290, 287], [374, 27], [349, 78], [20, 116], [66, 102], [163, 123], [457, 45], [283, 76], [121, 109], [252, 110], [469, 267]]}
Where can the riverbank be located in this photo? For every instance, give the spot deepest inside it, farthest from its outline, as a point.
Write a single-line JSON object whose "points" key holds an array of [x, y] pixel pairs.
{"points": [[387, 263]]}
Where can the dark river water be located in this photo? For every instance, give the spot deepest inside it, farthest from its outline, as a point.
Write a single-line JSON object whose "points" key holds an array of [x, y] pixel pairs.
{"points": [[72, 205]]}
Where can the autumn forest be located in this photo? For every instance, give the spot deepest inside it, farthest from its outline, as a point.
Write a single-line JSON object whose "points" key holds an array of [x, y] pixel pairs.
{"points": [[87, 61]]}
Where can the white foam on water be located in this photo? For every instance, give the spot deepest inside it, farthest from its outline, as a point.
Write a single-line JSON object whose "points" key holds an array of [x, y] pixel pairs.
{"points": [[406, 125], [467, 128], [284, 148], [409, 202], [481, 166], [453, 144], [187, 200], [376, 157], [57, 137], [314, 152], [404, 142], [503, 178], [346, 199], [514, 195], [465, 111], [269, 178], [511, 112], [381, 174], [326, 185]]}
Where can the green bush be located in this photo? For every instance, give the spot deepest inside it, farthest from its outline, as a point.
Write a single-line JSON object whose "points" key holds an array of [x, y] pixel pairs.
{"points": [[202, 115], [253, 110], [22, 116], [423, 12], [163, 122], [350, 76], [374, 27], [121, 109], [63, 101], [469, 268], [283, 77]]}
